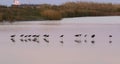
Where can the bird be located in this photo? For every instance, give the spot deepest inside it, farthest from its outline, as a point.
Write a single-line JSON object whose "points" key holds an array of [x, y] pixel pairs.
{"points": [[46, 35], [85, 35], [37, 35], [78, 35], [93, 36], [62, 36], [21, 35], [26, 36], [110, 35], [33, 35], [29, 35], [13, 35]]}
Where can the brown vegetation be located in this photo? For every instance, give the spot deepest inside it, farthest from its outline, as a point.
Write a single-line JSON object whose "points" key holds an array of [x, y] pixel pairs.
{"points": [[51, 15], [73, 9], [1, 17], [56, 12]]}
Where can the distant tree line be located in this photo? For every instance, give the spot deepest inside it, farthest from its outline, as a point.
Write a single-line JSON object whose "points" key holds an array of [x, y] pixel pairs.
{"points": [[57, 12]]}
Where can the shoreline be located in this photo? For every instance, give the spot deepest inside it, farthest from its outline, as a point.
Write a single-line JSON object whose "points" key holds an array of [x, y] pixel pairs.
{"points": [[68, 21]]}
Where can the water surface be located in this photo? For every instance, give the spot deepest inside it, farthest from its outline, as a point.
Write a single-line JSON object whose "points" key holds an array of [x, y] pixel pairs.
{"points": [[66, 44]]}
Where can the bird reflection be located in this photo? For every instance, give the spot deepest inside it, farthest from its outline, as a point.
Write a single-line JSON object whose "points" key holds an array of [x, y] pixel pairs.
{"points": [[93, 42], [78, 41], [29, 40], [85, 41], [25, 40], [61, 42], [21, 40], [110, 42], [47, 41], [12, 40]]}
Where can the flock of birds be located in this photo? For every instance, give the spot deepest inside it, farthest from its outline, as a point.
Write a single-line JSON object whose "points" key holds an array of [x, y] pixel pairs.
{"points": [[35, 38], [29, 38], [79, 41]]}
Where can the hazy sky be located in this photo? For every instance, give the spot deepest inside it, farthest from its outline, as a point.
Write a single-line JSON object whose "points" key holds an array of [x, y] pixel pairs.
{"points": [[9, 2]]}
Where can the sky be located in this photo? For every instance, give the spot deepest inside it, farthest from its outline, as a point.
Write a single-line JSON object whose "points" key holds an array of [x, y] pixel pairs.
{"points": [[9, 2]]}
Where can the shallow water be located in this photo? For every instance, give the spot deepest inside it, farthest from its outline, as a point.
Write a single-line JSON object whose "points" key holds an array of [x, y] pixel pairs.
{"points": [[64, 44]]}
